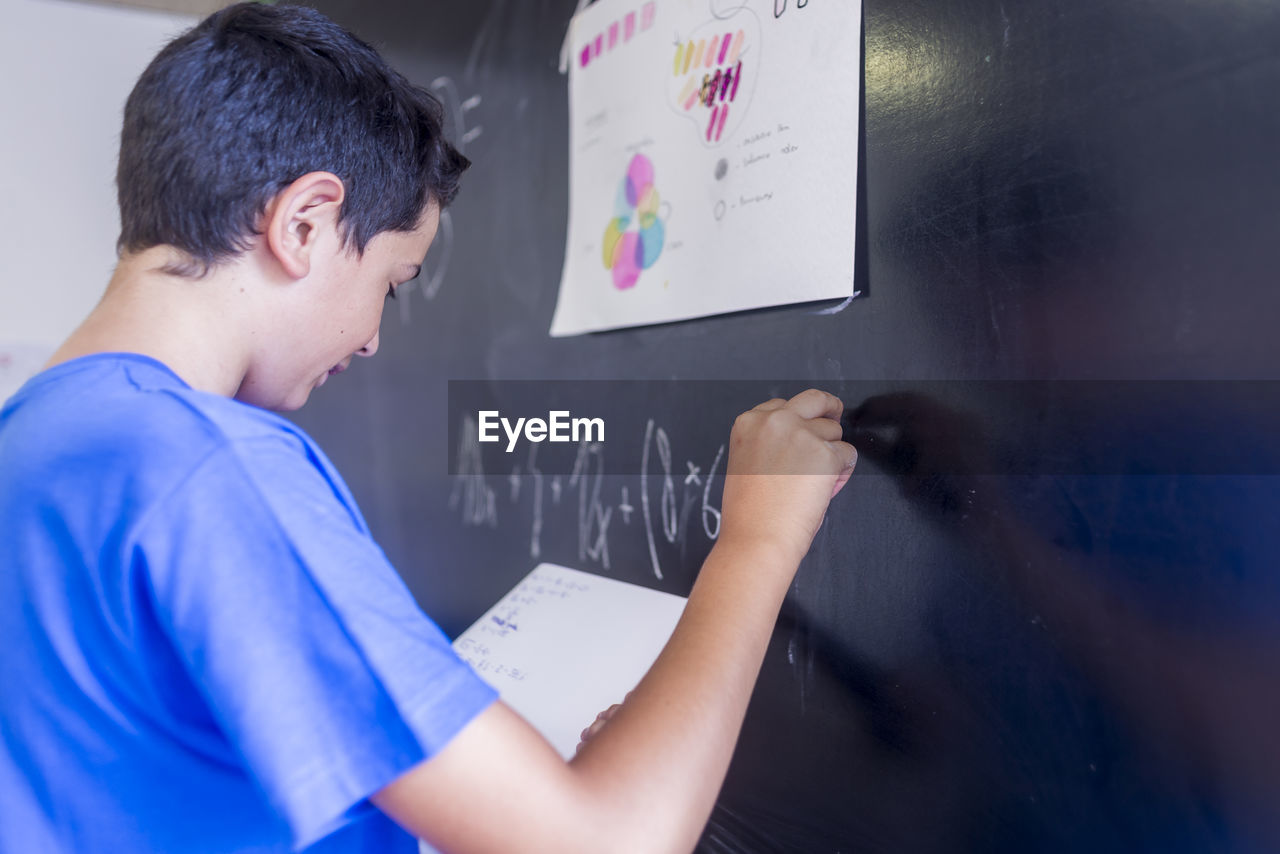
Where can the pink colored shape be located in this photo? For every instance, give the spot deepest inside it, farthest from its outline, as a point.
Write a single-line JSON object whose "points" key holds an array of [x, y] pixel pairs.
{"points": [[629, 26], [737, 78], [724, 84], [597, 46], [737, 46], [724, 48], [613, 35], [724, 115], [586, 56], [712, 87], [646, 15], [711, 52], [711, 126], [626, 270], [640, 176], [693, 99]]}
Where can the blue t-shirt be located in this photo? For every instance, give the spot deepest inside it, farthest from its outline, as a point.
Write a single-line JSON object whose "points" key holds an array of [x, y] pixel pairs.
{"points": [[201, 647]]}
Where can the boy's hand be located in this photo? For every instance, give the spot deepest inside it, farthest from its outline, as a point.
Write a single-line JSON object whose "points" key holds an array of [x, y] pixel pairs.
{"points": [[598, 724], [786, 462]]}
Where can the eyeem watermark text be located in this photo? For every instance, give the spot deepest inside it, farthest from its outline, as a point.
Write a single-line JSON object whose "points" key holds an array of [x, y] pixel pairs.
{"points": [[558, 426]]}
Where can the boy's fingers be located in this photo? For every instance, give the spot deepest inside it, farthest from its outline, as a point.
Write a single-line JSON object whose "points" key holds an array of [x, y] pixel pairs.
{"points": [[825, 428], [598, 724], [770, 405], [589, 733], [600, 721], [814, 403], [846, 453], [841, 481]]}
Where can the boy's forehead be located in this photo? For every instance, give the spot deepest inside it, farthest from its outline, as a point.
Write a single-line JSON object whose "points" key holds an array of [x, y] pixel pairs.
{"points": [[425, 231], [419, 240], [407, 247]]}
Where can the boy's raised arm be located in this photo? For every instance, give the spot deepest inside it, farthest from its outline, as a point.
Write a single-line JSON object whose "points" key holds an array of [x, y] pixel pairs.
{"points": [[649, 780]]}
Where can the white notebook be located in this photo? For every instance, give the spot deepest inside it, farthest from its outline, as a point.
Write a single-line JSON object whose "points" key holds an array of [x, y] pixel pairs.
{"points": [[563, 645]]}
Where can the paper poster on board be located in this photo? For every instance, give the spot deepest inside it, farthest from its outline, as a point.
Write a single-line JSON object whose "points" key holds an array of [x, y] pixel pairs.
{"points": [[713, 158]]}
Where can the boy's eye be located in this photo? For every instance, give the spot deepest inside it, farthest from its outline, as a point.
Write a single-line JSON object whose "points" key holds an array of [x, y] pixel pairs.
{"points": [[391, 291]]}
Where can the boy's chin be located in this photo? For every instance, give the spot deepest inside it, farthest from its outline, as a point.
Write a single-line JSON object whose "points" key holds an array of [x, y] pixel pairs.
{"points": [[288, 402]]}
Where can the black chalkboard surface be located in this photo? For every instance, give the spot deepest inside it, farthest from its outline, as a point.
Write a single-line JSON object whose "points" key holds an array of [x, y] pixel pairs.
{"points": [[1044, 615]]}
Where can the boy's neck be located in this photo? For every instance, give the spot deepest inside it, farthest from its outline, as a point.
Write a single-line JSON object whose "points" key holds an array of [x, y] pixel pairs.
{"points": [[202, 328]]}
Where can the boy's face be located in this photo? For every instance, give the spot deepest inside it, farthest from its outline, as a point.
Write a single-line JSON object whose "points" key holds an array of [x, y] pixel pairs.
{"points": [[338, 317]]}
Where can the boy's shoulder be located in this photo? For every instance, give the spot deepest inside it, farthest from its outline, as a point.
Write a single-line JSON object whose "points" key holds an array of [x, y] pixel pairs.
{"points": [[128, 412]]}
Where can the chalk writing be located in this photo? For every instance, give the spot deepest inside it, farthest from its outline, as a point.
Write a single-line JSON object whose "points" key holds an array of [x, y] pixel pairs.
{"points": [[471, 494], [593, 516], [711, 513], [665, 498], [535, 534]]}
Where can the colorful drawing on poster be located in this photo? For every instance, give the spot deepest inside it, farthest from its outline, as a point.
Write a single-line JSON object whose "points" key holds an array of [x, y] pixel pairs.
{"points": [[630, 251], [619, 31], [713, 74], [699, 147]]}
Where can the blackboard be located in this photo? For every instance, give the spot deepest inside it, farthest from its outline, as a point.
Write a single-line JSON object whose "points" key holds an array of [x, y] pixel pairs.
{"points": [[1041, 624]]}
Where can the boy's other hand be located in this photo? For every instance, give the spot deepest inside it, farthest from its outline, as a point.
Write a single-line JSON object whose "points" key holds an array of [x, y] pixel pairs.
{"points": [[597, 725], [786, 462]]}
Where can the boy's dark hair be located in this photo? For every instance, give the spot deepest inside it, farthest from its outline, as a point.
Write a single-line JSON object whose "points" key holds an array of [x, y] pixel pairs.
{"points": [[254, 97]]}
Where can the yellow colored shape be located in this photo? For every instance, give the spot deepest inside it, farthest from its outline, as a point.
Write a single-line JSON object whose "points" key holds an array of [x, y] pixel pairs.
{"points": [[679, 59], [697, 57], [687, 91], [688, 57], [648, 205], [612, 239]]}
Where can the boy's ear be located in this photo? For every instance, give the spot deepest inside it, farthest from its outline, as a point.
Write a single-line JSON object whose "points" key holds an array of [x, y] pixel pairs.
{"points": [[297, 217]]}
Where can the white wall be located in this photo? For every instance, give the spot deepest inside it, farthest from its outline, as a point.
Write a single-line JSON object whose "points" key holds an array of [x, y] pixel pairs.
{"points": [[65, 71]]}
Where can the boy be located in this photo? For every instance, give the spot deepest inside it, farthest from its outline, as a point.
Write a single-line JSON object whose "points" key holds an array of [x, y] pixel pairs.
{"points": [[201, 647]]}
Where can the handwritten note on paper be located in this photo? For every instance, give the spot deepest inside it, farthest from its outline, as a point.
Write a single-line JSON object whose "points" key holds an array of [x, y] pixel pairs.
{"points": [[712, 158], [565, 645]]}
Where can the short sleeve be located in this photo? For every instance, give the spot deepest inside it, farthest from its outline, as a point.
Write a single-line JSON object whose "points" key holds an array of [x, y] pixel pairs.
{"points": [[312, 655]]}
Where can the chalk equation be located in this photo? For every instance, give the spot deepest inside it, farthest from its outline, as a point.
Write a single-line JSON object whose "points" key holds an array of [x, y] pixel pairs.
{"points": [[670, 499]]}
